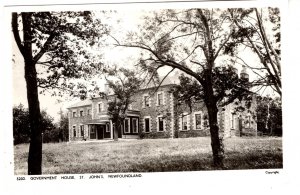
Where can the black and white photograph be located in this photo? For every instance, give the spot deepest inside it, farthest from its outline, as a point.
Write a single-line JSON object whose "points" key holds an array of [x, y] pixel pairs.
{"points": [[128, 89]]}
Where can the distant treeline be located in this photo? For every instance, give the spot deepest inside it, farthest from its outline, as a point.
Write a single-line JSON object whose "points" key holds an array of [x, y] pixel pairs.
{"points": [[51, 132]]}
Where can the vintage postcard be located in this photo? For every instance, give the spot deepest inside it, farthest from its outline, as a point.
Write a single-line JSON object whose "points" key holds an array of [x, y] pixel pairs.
{"points": [[162, 96]]}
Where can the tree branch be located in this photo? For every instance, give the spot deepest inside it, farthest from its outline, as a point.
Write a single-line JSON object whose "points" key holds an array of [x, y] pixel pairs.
{"points": [[14, 24]]}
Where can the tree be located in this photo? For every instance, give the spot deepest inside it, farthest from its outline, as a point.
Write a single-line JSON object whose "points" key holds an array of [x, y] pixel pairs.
{"points": [[64, 126], [54, 41], [265, 43], [126, 85], [269, 115], [21, 128], [191, 41], [21, 124]]}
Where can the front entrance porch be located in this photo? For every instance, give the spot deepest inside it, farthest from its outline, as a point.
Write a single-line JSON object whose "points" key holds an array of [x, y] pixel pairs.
{"points": [[100, 130]]}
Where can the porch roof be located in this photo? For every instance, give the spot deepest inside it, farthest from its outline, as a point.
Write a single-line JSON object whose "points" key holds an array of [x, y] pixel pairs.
{"points": [[97, 121]]}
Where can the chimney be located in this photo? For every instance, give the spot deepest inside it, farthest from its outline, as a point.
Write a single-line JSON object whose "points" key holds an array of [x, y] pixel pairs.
{"points": [[244, 74]]}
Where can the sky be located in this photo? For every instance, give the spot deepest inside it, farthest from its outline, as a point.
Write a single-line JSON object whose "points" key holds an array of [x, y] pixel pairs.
{"points": [[124, 20]]}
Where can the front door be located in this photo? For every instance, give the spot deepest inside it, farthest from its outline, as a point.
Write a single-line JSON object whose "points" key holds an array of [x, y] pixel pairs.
{"points": [[100, 131]]}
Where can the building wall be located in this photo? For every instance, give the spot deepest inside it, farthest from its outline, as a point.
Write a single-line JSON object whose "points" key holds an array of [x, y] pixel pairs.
{"points": [[78, 120], [192, 130], [96, 114], [240, 122], [172, 115], [154, 110]]}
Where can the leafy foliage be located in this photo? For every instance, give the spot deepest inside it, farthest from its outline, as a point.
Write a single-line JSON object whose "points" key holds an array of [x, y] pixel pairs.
{"points": [[21, 125], [227, 85], [126, 85], [62, 45], [269, 115]]}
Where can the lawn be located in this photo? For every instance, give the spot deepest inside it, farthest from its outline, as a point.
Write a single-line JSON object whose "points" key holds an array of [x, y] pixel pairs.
{"points": [[152, 155]]}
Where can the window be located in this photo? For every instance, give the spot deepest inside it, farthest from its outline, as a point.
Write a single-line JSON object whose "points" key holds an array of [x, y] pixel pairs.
{"points": [[135, 127], [107, 129], [160, 124], [81, 130], [160, 99], [88, 112], [197, 121], [184, 124], [100, 107], [248, 121], [147, 125], [146, 101], [232, 120], [74, 114], [74, 131], [126, 125], [81, 112]]}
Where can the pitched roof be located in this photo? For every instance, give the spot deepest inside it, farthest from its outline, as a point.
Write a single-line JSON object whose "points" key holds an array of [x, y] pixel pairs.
{"points": [[169, 80], [86, 102]]}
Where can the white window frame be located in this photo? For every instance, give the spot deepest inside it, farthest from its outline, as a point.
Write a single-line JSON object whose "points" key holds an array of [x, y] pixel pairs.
{"points": [[88, 112], [144, 102], [249, 121], [185, 114], [107, 128], [194, 120], [137, 125], [128, 125], [232, 120], [74, 114], [81, 111], [163, 99], [164, 122], [81, 130], [100, 105], [147, 117], [74, 130]]}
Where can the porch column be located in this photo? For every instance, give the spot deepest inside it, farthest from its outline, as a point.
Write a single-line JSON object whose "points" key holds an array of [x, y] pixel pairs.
{"points": [[111, 129]]}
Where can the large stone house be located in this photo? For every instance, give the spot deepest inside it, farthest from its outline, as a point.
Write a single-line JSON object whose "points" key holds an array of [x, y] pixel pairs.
{"points": [[154, 114]]}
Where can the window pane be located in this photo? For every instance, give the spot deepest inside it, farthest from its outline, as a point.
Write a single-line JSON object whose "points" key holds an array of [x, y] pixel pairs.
{"points": [[126, 128], [198, 121], [147, 125], [160, 124], [159, 97], [135, 125], [146, 101], [184, 123], [81, 130]]}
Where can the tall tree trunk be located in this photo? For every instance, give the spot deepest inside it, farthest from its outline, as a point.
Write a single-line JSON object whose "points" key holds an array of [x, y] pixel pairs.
{"points": [[35, 148], [212, 109], [116, 133], [216, 141]]}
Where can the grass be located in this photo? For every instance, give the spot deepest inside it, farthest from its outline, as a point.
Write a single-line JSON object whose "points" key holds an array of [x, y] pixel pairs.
{"points": [[152, 155]]}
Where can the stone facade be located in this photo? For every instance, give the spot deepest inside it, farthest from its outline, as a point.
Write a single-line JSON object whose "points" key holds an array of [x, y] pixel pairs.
{"points": [[154, 114]]}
